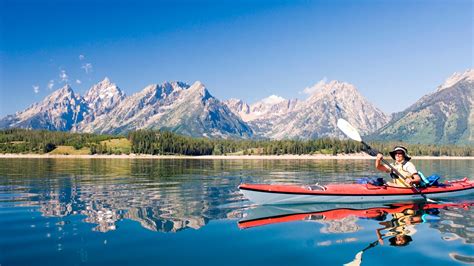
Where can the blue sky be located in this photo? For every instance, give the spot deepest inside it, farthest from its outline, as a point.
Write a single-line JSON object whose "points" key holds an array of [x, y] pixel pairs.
{"points": [[394, 52]]}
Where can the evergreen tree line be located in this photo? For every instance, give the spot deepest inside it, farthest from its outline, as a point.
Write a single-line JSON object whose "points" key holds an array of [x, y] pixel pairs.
{"points": [[162, 143], [168, 143]]}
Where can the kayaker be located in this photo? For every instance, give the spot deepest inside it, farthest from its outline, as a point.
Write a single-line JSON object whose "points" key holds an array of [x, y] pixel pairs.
{"points": [[403, 165]]}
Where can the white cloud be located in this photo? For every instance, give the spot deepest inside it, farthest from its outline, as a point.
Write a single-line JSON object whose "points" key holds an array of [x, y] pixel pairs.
{"points": [[51, 84], [78, 81], [63, 76], [87, 67], [315, 87], [81, 57], [36, 88]]}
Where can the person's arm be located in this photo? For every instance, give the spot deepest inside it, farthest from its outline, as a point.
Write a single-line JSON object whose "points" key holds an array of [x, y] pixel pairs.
{"points": [[379, 165], [414, 178], [379, 235]]}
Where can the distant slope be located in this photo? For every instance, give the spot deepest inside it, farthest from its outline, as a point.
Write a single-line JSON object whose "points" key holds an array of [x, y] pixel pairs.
{"points": [[443, 117]]}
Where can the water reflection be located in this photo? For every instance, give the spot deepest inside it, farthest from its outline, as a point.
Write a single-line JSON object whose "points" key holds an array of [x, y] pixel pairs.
{"points": [[172, 195], [175, 195]]}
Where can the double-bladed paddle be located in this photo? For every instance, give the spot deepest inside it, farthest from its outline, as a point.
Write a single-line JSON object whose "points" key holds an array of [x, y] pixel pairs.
{"points": [[352, 133]]}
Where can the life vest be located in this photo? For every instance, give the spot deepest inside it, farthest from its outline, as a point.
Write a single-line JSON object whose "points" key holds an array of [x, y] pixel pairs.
{"points": [[398, 224], [400, 168]]}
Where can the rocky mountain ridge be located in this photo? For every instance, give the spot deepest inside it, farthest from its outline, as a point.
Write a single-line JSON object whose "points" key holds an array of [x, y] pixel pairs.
{"points": [[278, 118], [444, 116]]}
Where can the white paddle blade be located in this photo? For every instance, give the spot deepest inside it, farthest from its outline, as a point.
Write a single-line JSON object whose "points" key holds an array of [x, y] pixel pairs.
{"points": [[348, 129]]}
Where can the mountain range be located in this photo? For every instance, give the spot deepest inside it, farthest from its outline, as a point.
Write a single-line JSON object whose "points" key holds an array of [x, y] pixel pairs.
{"points": [[444, 116]]}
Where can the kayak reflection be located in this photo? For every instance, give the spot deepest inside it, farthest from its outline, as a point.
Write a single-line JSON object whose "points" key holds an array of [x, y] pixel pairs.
{"points": [[403, 215]]}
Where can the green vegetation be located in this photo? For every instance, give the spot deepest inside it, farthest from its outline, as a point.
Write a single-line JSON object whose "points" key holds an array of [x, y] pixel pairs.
{"points": [[117, 146], [44, 141], [167, 143], [70, 150]]}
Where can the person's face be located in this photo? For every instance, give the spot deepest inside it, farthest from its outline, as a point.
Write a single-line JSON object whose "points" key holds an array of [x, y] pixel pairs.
{"points": [[399, 156], [400, 240]]}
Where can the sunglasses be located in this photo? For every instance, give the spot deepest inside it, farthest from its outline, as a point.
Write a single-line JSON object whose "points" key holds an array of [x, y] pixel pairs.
{"points": [[402, 153]]}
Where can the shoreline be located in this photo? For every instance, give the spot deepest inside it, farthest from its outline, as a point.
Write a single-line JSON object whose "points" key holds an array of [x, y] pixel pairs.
{"points": [[358, 156]]}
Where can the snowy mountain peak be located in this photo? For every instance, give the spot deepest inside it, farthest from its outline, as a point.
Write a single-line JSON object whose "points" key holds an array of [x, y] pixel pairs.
{"points": [[336, 85], [65, 89], [103, 90], [198, 85], [234, 101], [238, 107], [103, 96], [106, 80], [264, 109], [163, 89], [467, 76], [200, 89], [154, 93], [64, 92], [174, 85], [332, 86]]}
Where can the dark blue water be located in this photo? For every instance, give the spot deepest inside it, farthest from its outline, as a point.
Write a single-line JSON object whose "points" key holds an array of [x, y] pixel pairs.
{"points": [[189, 212]]}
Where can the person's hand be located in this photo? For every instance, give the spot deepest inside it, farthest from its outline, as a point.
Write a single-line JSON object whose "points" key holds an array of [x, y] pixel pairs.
{"points": [[381, 241], [379, 156], [409, 181]]}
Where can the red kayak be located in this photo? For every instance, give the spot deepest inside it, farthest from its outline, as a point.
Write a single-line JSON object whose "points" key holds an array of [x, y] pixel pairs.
{"points": [[265, 194]]}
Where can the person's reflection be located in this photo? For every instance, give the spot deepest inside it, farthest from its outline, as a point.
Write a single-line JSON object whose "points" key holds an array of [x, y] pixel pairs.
{"points": [[398, 230], [401, 227]]}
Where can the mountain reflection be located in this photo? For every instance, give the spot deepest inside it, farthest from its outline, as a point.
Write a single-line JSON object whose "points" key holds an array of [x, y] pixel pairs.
{"points": [[162, 195]]}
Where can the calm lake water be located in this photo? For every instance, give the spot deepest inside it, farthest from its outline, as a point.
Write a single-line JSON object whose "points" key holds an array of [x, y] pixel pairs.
{"points": [[190, 212]]}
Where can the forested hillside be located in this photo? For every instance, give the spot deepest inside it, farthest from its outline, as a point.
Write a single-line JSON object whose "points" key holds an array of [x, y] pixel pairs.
{"points": [[168, 143]]}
